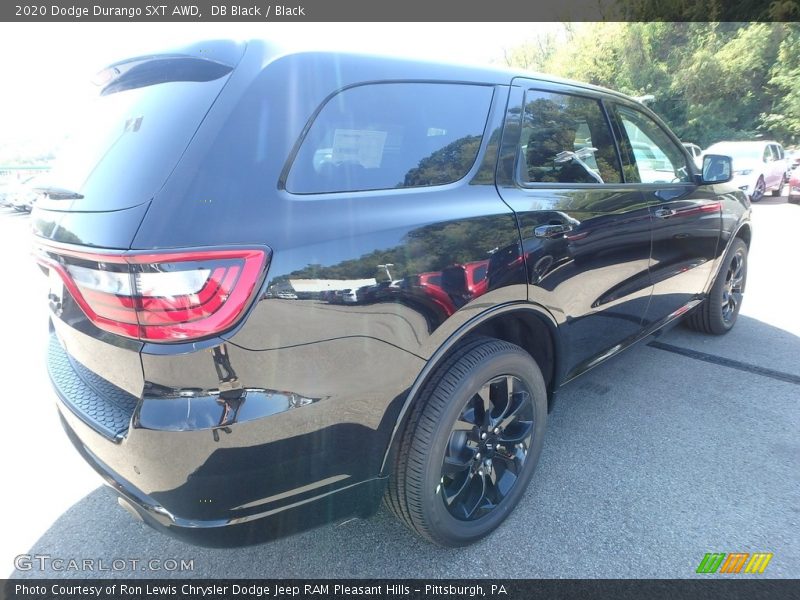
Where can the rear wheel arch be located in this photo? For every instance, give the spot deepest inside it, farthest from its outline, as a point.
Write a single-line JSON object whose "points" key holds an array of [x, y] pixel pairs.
{"points": [[526, 325], [469, 451]]}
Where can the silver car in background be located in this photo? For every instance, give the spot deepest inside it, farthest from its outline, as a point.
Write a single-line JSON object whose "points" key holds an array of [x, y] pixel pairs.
{"points": [[757, 166]]}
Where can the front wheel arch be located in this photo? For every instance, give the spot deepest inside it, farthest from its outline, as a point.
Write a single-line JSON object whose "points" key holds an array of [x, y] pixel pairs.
{"points": [[718, 312]]}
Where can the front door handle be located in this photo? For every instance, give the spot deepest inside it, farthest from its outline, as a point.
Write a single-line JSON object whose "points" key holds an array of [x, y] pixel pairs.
{"points": [[550, 231], [664, 213]]}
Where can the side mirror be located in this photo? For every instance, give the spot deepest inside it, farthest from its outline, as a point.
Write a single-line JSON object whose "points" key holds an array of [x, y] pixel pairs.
{"points": [[716, 169]]}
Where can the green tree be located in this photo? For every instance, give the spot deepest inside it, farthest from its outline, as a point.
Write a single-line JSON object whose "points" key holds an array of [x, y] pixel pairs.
{"points": [[711, 81]]}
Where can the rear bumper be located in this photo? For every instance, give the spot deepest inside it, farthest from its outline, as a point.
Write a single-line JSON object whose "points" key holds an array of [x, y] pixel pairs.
{"points": [[300, 514], [211, 486]]}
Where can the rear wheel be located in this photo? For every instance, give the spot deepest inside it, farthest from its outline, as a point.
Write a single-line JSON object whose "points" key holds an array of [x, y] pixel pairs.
{"points": [[471, 444], [718, 313]]}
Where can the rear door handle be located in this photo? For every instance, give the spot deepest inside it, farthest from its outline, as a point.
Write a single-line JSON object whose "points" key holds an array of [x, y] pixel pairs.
{"points": [[664, 213]]}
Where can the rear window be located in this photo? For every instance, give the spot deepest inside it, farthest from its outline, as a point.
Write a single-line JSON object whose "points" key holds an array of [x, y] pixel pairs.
{"points": [[136, 132], [566, 139], [392, 135]]}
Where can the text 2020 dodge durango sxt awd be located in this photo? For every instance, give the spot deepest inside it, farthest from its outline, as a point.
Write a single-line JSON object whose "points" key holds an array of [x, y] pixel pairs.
{"points": [[284, 286]]}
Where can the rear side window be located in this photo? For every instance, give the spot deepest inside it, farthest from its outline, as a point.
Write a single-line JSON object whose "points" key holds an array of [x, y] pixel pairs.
{"points": [[566, 139], [649, 153], [392, 135]]}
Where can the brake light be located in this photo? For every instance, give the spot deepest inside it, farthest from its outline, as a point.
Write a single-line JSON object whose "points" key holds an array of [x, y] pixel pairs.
{"points": [[164, 297]]}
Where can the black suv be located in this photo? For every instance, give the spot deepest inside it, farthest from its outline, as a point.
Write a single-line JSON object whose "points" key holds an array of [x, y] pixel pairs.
{"points": [[284, 286]]}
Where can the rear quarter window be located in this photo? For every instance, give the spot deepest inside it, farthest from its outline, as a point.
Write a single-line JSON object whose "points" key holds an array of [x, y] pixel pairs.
{"points": [[391, 135]]}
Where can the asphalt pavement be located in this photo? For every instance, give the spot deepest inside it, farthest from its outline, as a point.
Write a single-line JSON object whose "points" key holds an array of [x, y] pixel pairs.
{"points": [[685, 445]]}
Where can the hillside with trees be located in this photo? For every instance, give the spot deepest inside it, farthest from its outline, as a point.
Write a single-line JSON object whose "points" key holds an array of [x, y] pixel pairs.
{"points": [[710, 81]]}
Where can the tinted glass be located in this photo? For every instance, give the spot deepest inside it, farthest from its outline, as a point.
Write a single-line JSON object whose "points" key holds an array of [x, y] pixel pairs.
{"points": [[566, 139], [131, 141], [650, 155], [392, 135]]}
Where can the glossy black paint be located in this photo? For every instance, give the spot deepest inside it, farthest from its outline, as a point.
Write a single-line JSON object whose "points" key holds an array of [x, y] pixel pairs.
{"points": [[286, 421]]}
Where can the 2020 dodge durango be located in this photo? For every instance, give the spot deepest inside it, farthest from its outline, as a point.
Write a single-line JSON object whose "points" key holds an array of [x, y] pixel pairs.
{"points": [[501, 229]]}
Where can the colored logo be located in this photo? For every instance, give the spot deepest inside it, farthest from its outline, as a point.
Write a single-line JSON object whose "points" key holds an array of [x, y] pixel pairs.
{"points": [[735, 562]]}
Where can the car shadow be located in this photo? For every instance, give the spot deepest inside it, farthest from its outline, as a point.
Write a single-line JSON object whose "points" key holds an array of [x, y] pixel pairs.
{"points": [[781, 198], [626, 469]]}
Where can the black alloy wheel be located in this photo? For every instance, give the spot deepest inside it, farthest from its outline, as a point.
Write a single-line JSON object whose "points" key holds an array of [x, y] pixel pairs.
{"points": [[470, 446], [733, 288], [719, 311], [487, 449]]}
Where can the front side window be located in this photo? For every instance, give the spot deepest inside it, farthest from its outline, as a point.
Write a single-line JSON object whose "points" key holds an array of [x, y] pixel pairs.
{"points": [[566, 139], [649, 154], [392, 135]]}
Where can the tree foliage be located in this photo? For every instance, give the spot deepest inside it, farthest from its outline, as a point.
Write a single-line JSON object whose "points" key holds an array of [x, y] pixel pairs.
{"points": [[710, 81]]}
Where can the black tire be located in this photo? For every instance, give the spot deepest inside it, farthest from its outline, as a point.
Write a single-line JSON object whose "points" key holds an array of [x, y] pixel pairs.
{"points": [[718, 312], [777, 192], [442, 452], [759, 190]]}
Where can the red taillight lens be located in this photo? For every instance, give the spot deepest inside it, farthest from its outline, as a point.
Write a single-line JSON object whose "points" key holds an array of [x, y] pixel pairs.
{"points": [[169, 297]]}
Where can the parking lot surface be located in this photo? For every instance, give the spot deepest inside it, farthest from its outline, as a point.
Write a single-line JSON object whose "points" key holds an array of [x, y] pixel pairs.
{"points": [[683, 445]]}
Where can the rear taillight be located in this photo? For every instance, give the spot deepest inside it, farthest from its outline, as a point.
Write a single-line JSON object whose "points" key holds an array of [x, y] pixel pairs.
{"points": [[164, 297]]}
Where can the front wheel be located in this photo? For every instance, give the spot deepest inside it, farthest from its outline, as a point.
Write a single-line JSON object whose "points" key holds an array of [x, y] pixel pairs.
{"points": [[718, 312], [471, 444], [758, 191]]}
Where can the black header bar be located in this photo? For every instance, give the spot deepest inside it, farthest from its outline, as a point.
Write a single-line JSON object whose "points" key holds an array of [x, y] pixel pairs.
{"points": [[712, 588], [408, 10]]}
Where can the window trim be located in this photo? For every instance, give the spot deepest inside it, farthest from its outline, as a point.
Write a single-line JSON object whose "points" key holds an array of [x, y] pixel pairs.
{"points": [[292, 155]]}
